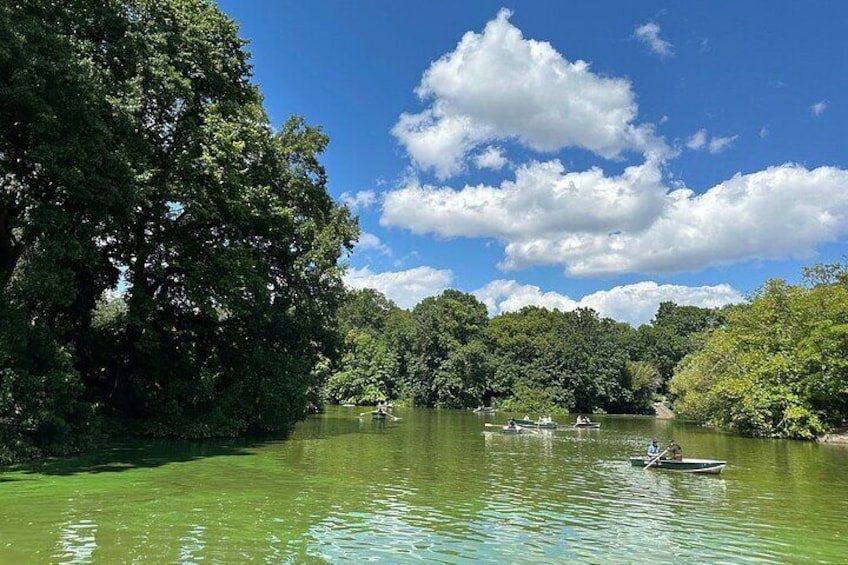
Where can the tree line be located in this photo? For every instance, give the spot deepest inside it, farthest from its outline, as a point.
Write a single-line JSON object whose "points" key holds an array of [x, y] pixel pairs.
{"points": [[447, 352], [775, 366]]}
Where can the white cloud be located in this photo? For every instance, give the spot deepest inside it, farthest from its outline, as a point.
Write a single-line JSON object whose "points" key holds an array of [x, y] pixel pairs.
{"points": [[597, 225], [818, 108], [497, 86], [649, 34], [509, 296], [701, 140], [490, 158], [405, 288], [719, 144], [369, 241], [544, 201], [361, 200], [698, 140], [764, 132], [635, 304]]}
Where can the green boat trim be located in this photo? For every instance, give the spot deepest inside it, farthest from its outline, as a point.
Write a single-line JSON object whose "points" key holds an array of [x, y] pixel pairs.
{"points": [[589, 426], [711, 466]]}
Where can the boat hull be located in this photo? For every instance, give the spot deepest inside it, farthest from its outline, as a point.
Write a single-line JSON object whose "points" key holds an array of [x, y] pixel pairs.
{"points": [[592, 426], [708, 466]]}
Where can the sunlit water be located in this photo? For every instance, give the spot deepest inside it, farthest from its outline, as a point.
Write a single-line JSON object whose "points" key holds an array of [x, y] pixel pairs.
{"points": [[432, 487]]}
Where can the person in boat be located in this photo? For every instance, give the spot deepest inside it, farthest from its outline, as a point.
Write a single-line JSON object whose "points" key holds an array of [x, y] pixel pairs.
{"points": [[653, 449], [511, 423], [674, 451], [581, 419], [380, 410]]}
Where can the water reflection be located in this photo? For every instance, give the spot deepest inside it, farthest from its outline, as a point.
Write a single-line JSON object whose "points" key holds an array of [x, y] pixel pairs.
{"points": [[77, 541]]}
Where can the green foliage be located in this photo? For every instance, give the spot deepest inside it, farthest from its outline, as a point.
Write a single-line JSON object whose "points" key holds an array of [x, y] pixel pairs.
{"points": [[446, 363], [778, 367], [132, 140], [673, 333]]}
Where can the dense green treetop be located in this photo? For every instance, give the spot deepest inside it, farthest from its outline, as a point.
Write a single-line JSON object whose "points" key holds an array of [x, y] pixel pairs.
{"points": [[136, 156]]}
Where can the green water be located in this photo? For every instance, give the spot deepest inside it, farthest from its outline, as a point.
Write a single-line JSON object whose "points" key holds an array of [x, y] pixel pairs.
{"points": [[433, 487]]}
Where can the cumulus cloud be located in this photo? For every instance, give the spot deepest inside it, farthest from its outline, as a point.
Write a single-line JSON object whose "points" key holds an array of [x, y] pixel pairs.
{"points": [[649, 34], [593, 225], [818, 108], [490, 158], [543, 201], [701, 140], [497, 85], [361, 200], [405, 288], [370, 242], [635, 304]]}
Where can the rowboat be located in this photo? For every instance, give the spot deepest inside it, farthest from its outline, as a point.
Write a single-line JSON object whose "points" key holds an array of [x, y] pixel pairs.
{"points": [[484, 410], [712, 466], [543, 423], [507, 429], [587, 425], [378, 415]]}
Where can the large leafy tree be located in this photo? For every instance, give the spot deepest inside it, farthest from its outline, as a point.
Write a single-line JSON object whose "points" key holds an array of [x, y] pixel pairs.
{"points": [[568, 360], [447, 365], [132, 141], [368, 369]]}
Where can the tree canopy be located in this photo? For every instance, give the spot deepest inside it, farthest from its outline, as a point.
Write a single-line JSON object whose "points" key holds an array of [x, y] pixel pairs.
{"points": [[137, 164]]}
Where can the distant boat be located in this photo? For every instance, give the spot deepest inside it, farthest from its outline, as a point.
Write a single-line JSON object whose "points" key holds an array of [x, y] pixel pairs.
{"points": [[378, 415], [711, 466], [587, 425], [545, 423], [484, 410], [508, 429]]}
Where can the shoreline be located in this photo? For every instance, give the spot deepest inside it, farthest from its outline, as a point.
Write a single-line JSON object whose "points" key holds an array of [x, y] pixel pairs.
{"points": [[838, 436]]}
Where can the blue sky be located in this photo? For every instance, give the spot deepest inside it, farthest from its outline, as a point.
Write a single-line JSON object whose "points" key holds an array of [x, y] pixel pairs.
{"points": [[609, 154]]}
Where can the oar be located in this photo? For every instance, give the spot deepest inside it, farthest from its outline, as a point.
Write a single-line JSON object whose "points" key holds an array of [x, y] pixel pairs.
{"points": [[657, 458], [528, 429], [500, 426]]}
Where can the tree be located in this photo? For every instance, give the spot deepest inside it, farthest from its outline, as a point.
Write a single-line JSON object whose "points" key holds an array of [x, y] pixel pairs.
{"points": [[447, 363], [135, 156], [777, 368], [673, 334]]}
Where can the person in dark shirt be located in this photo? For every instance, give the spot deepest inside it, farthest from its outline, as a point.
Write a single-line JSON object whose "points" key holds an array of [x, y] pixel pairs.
{"points": [[674, 451]]}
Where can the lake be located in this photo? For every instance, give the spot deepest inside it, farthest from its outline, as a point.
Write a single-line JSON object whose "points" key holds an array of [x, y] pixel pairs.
{"points": [[436, 486]]}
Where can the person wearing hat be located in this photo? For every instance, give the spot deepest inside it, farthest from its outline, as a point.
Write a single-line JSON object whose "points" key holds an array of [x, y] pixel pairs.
{"points": [[653, 449]]}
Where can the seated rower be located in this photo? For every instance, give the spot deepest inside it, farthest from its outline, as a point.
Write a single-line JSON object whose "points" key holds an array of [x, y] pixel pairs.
{"points": [[675, 452], [653, 449]]}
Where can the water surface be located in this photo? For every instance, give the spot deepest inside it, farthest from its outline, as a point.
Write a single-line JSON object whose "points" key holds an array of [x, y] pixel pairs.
{"points": [[434, 487]]}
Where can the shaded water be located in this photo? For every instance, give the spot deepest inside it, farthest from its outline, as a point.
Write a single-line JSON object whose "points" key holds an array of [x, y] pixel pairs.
{"points": [[435, 486]]}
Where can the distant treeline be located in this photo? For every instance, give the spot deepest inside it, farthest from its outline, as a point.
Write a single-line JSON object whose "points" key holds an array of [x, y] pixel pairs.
{"points": [[447, 352], [776, 366]]}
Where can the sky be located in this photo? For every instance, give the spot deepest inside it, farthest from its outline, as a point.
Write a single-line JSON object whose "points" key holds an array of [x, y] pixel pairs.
{"points": [[611, 155]]}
